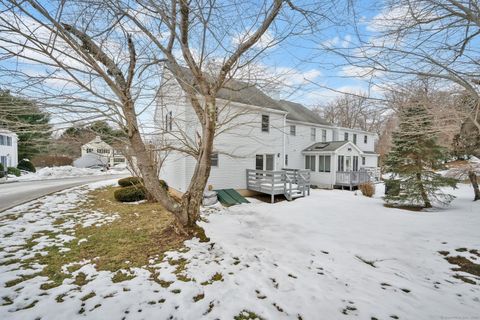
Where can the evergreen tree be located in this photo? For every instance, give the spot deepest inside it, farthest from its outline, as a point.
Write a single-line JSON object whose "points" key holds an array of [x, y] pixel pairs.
{"points": [[414, 157], [29, 123]]}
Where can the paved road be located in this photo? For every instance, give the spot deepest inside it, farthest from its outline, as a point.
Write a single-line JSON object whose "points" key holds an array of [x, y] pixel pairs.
{"points": [[16, 193]]}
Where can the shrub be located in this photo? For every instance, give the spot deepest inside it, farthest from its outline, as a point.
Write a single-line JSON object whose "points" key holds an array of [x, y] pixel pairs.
{"points": [[14, 171], [130, 194], [367, 188], [51, 161], [130, 181], [26, 165], [2, 174]]}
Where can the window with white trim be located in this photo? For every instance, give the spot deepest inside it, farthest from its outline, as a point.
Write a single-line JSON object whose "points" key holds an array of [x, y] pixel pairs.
{"points": [[345, 136], [363, 161], [169, 121], [313, 134], [324, 135], [355, 138], [365, 139], [293, 130], [265, 123], [310, 163], [214, 159], [324, 163]]}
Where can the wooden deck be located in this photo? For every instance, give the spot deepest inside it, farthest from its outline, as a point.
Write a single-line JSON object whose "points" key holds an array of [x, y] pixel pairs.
{"points": [[292, 183]]}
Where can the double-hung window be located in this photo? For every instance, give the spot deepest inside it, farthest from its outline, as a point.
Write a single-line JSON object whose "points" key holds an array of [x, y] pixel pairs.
{"points": [[324, 163], [355, 138], [310, 162], [214, 159], [345, 136], [265, 123], [169, 121], [324, 135], [293, 130], [313, 134]]}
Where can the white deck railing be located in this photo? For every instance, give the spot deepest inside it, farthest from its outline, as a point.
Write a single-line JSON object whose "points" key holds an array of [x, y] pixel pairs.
{"points": [[286, 182], [351, 178]]}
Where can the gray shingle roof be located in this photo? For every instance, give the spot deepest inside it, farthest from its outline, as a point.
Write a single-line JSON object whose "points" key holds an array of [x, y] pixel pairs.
{"points": [[298, 112], [242, 92], [326, 146]]}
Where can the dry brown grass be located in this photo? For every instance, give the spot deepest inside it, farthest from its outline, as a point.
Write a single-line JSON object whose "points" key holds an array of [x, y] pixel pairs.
{"points": [[367, 188]]}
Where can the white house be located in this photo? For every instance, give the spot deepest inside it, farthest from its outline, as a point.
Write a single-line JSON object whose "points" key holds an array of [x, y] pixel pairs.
{"points": [[257, 132], [8, 148], [98, 152]]}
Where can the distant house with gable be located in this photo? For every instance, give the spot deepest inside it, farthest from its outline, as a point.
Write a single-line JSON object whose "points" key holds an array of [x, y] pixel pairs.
{"points": [[98, 152]]}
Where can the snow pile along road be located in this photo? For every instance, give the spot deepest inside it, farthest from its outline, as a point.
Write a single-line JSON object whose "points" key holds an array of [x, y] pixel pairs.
{"points": [[65, 172]]}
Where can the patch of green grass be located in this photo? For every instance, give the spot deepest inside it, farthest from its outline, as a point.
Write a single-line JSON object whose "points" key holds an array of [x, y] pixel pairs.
{"points": [[180, 269], [122, 276], [216, 277], [20, 279], [80, 279], [60, 297], [9, 262], [31, 305], [6, 301], [198, 297], [88, 296], [247, 315]]}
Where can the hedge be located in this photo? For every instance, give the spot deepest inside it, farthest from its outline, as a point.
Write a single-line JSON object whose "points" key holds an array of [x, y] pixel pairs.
{"points": [[130, 181], [130, 194], [14, 171], [1, 171], [26, 165]]}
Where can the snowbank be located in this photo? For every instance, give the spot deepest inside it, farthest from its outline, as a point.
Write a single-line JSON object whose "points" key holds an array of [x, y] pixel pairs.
{"points": [[65, 172]]}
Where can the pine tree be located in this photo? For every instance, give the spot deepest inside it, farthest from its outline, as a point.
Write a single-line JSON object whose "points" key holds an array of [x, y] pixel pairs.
{"points": [[414, 158]]}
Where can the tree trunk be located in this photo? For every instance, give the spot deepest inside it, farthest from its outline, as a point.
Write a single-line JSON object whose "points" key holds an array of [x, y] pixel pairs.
{"points": [[423, 193], [473, 179], [148, 168], [192, 199]]}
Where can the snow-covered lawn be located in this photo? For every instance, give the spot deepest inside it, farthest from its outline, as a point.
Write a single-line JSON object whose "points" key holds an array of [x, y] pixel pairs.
{"points": [[333, 255]]}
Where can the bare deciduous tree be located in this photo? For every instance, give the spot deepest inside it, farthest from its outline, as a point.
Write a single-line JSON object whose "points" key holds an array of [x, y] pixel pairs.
{"points": [[89, 60]]}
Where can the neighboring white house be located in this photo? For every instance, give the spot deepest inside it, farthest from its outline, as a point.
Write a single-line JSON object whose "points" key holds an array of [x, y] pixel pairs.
{"points": [[8, 148], [260, 133], [98, 152]]}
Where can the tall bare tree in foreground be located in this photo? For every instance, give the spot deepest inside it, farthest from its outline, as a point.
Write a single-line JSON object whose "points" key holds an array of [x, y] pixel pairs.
{"points": [[92, 60]]}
